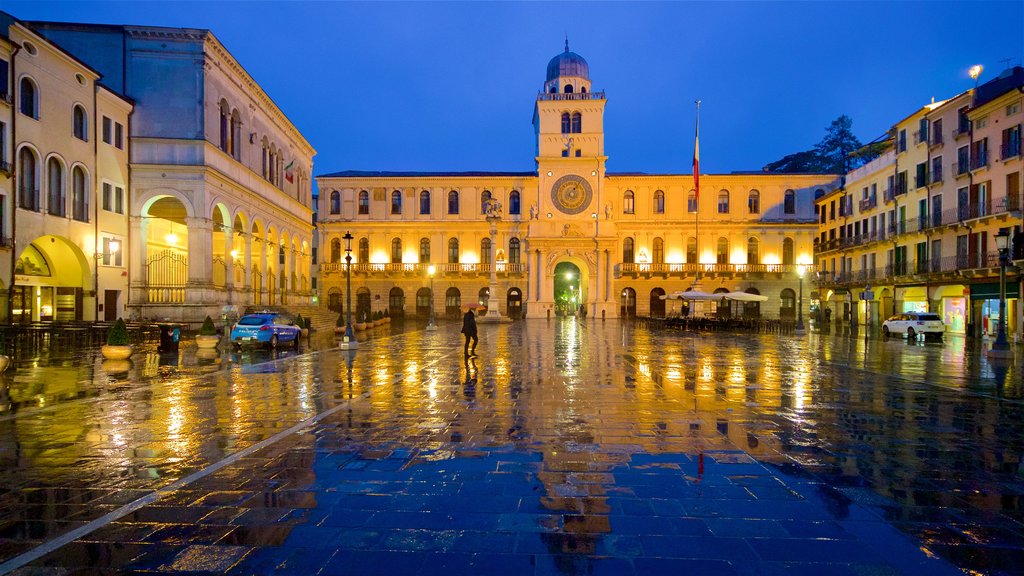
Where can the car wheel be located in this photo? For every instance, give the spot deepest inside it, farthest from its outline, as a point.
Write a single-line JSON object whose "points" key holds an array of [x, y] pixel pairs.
{"points": [[885, 331], [273, 341], [911, 334]]}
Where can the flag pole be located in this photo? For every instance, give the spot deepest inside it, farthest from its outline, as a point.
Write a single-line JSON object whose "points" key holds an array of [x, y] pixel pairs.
{"points": [[696, 190]]}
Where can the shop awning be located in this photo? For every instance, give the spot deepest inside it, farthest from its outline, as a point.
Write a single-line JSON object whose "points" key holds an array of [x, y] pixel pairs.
{"points": [[990, 291]]}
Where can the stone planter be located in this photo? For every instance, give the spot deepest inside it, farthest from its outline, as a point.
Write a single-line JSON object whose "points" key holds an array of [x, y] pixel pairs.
{"points": [[359, 326], [117, 366], [5, 363], [207, 342], [116, 352], [208, 354], [339, 330]]}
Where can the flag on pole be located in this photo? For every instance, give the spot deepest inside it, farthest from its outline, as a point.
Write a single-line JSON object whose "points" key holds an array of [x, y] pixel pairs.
{"points": [[289, 174], [696, 156]]}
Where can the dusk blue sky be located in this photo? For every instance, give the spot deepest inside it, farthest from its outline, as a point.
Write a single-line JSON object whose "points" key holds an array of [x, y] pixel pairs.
{"points": [[451, 86]]}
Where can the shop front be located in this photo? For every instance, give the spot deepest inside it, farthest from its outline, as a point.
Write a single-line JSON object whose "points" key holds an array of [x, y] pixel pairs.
{"points": [[985, 308]]}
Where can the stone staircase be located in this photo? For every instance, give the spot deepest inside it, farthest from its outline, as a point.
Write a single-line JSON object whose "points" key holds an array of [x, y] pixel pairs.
{"points": [[322, 320]]}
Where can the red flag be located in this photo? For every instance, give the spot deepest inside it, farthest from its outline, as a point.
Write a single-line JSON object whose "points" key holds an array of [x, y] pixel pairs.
{"points": [[696, 156]]}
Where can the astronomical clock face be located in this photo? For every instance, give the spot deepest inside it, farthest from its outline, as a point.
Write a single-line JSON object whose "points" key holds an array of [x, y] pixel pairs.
{"points": [[571, 194]]}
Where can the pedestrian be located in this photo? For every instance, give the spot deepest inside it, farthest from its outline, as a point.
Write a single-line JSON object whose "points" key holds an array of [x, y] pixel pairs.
{"points": [[469, 329]]}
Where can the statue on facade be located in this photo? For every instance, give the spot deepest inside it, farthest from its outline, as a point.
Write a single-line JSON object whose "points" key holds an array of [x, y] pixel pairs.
{"points": [[533, 212], [493, 209], [607, 211]]}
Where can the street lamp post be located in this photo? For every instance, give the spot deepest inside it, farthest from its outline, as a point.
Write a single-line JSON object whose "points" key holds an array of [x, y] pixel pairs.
{"points": [[800, 303], [430, 272], [348, 341], [1001, 347]]}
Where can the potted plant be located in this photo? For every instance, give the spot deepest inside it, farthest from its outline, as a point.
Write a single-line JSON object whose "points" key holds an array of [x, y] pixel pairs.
{"points": [[207, 337], [118, 346], [361, 323], [379, 319]]}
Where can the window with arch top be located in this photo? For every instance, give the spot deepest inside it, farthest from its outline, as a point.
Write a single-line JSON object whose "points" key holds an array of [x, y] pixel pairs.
{"points": [[627, 202], [335, 202], [567, 89], [28, 179], [787, 252], [79, 195], [396, 250], [658, 253], [453, 202], [691, 202], [396, 202], [485, 251], [335, 250], [514, 202], [55, 187], [754, 202], [627, 250], [513, 251], [566, 123], [659, 202], [789, 202], [29, 104], [364, 202], [453, 250], [723, 251], [577, 123], [424, 202], [80, 123], [424, 250], [753, 251], [723, 202], [364, 250]]}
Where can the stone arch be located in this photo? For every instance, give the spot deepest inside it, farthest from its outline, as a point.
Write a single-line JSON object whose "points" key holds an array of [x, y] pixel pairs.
{"points": [[52, 265], [147, 198]]}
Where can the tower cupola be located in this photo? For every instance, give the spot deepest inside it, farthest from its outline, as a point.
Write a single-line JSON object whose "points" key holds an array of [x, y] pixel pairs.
{"points": [[568, 72]]}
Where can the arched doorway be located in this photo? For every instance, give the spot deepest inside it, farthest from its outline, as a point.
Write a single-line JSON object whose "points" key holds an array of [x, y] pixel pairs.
{"points": [[334, 300], [482, 296], [423, 302], [51, 276], [569, 289], [363, 305], [514, 303], [396, 302], [627, 306], [657, 304], [452, 302], [166, 238], [787, 307]]}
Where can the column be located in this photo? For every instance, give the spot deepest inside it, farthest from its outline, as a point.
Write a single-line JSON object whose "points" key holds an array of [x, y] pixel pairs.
{"points": [[247, 259], [229, 264], [200, 250], [137, 260]]}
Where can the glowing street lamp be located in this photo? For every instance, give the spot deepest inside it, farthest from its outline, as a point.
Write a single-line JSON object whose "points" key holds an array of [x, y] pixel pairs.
{"points": [[1001, 347], [431, 270]]}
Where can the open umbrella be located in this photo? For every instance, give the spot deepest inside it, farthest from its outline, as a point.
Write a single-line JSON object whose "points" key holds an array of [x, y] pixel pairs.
{"points": [[744, 297], [698, 296]]}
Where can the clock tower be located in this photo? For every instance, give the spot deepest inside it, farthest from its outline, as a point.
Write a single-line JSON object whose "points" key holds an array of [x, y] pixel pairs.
{"points": [[569, 228]]}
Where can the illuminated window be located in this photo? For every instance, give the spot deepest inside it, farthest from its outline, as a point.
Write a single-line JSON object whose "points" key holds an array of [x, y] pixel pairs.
{"points": [[364, 202], [659, 202], [627, 202]]}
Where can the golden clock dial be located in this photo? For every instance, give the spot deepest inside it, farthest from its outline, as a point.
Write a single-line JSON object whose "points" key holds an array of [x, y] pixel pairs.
{"points": [[571, 194]]}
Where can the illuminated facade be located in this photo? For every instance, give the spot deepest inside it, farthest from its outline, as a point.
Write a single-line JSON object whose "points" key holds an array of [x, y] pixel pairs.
{"points": [[914, 229], [573, 238], [63, 181], [220, 194]]}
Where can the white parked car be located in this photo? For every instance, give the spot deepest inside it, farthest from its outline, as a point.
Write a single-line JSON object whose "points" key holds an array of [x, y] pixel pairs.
{"points": [[913, 323]]}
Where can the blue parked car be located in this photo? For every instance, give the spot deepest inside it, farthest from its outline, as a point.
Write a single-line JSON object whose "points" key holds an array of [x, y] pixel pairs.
{"points": [[265, 328]]}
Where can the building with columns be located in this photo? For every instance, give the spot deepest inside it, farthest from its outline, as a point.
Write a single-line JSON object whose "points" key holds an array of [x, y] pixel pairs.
{"points": [[219, 193], [573, 238], [63, 174]]}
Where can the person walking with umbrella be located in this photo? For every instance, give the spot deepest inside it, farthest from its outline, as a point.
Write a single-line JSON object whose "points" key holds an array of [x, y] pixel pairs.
{"points": [[469, 330]]}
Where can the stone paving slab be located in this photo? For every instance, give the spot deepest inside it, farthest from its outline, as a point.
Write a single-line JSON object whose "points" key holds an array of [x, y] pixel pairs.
{"points": [[554, 453]]}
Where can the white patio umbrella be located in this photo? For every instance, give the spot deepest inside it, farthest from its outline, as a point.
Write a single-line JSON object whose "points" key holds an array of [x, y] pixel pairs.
{"points": [[744, 297], [698, 296]]}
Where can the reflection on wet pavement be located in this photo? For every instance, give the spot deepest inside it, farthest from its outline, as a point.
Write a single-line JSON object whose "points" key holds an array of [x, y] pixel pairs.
{"points": [[568, 447]]}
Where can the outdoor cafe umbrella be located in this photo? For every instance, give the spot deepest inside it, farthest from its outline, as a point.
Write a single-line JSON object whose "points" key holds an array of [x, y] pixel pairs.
{"points": [[743, 297]]}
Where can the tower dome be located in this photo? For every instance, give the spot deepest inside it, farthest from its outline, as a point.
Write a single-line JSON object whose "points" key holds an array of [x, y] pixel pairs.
{"points": [[568, 64]]}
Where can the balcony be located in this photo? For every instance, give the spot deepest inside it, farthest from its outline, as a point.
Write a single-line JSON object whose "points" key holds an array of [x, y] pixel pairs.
{"points": [[868, 203], [920, 137], [963, 167], [920, 180], [571, 96], [420, 269], [887, 195], [961, 131], [936, 175], [936, 139], [1010, 149], [693, 268], [1004, 205]]}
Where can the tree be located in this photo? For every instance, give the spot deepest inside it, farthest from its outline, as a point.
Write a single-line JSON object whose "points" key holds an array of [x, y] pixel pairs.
{"points": [[837, 146], [839, 152]]}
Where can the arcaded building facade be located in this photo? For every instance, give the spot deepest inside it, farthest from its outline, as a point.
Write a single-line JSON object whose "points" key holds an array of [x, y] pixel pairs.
{"points": [[573, 238]]}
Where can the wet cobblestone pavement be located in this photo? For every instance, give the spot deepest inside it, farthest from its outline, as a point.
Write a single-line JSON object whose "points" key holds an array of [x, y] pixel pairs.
{"points": [[567, 447]]}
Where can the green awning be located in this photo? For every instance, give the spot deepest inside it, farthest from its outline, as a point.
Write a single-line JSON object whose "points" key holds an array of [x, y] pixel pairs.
{"points": [[990, 291]]}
